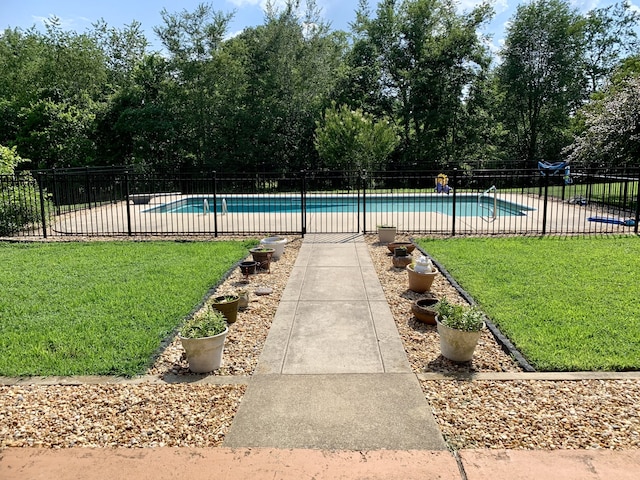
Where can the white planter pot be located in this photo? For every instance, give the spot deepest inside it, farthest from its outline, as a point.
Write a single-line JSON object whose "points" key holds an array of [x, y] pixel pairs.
{"points": [[457, 345], [277, 243], [204, 354], [386, 234]]}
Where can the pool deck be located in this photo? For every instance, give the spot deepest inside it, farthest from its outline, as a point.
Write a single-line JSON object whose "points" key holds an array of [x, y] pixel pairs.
{"points": [[135, 218]]}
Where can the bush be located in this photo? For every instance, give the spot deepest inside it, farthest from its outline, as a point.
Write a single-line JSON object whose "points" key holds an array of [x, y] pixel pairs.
{"points": [[19, 195]]}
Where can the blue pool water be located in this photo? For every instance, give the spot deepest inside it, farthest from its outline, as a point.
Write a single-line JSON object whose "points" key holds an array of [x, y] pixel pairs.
{"points": [[466, 205]]}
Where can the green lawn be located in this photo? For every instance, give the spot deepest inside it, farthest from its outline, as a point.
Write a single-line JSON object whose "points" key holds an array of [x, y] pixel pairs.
{"points": [[568, 304], [100, 307]]}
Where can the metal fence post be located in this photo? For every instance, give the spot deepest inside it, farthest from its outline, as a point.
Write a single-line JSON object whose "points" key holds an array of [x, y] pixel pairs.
{"points": [[363, 177], [215, 204], [126, 194], [453, 206], [544, 203], [303, 202], [43, 214], [635, 228]]}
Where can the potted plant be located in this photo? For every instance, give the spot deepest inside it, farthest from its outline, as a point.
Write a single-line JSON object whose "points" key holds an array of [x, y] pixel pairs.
{"points": [[202, 338], [386, 233], [410, 246], [459, 328], [277, 243], [263, 256], [425, 309], [421, 273], [401, 257], [227, 305]]}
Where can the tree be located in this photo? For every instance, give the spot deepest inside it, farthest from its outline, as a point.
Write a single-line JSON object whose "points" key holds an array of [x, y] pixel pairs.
{"points": [[353, 140], [612, 128], [413, 62], [291, 68], [541, 78], [194, 41], [610, 33]]}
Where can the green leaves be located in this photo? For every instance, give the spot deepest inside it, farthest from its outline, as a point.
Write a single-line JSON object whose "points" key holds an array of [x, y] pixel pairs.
{"points": [[353, 140]]}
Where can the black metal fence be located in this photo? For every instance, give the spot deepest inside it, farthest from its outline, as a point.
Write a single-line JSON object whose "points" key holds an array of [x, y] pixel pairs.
{"points": [[120, 202]]}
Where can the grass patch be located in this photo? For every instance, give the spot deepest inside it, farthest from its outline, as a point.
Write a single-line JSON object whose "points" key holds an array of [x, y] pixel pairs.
{"points": [[568, 304], [100, 308]]}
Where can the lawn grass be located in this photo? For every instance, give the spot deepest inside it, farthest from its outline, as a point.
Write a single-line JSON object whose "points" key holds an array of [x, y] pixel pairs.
{"points": [[568, 304], [100, 307]]}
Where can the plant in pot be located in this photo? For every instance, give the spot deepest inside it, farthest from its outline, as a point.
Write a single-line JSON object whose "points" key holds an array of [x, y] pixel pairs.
{"points": [[459, 328], [421, 273], [227, 305], [410, 246], [401, 257], [202, 338], [386, 233], [425, 309], [263, 256]]}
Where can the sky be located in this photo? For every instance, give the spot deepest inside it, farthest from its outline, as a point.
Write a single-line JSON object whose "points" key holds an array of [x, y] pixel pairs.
{"points": [[79, 15]]}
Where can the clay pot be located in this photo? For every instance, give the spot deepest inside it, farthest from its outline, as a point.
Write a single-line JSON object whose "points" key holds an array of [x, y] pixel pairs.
{"points": [[424, 310], [401, 262], [408, 245], [420, 282]]}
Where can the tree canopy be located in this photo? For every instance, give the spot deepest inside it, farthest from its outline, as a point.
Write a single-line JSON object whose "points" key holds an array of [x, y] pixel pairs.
{"points": [[413, 83]]}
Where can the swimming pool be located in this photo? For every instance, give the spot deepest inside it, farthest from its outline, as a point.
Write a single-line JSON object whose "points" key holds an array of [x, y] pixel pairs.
{"points": [[467, 205]]}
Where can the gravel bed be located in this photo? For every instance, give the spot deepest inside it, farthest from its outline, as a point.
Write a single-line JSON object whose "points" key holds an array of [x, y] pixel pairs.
{"points": [[247, 335], [420, 340], [146, 415], [529, 414]]}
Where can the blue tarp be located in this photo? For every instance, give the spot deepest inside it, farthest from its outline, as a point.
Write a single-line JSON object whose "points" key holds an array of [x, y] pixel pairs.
{"points": [[613, 221], [554, 167]]}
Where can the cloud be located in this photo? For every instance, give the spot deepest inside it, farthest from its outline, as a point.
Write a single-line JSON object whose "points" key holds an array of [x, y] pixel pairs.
{"points": [[65, 23], [634, 8], [244, 3], [499, 6]]}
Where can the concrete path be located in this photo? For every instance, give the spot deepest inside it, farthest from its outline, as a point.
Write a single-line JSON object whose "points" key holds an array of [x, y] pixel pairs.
{"points": [[333, 373]]}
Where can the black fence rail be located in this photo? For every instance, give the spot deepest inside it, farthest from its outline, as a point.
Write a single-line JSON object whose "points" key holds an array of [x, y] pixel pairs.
{"points": [[121, 202]]}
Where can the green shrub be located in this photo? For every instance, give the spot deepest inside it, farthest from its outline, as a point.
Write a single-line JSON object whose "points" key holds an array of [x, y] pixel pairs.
{"points": [[469, 319], [19, 195], [205, 323]]}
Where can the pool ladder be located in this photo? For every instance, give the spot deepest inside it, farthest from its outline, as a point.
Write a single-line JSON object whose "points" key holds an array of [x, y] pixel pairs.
{"points": [[493, 212]]}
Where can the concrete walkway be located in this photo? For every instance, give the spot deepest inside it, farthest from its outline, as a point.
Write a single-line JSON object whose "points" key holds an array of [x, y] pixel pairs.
{"points": [[333, 373]]}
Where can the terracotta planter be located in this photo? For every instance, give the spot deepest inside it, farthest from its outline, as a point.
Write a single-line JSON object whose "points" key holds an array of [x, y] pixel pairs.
{"points": [[229, 308], [408, 245], [457, 345], [204, 354], [424, 310], [401, 262], [263, 257], [420, 282]]}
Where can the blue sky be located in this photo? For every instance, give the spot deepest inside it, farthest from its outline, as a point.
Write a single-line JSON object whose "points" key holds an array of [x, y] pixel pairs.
{"points": [[78, 15]]}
